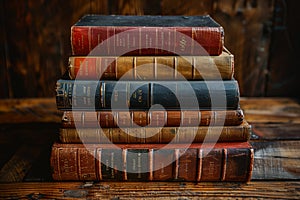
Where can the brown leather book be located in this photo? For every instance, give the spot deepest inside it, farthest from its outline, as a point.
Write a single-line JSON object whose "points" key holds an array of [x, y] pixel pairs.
{"points": [[151, 118], [146, 135], [152, 162], [146, 35], [152, 67]]}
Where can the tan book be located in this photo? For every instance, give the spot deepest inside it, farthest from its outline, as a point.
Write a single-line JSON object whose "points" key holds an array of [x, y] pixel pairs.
{"points": [[152, 67], [147, 135]]}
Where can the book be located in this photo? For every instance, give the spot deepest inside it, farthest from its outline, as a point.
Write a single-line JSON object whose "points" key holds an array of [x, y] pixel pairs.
{"points": [[135, 95], [152, 162], [146, 135], [152, 67], [146, 35], [151, 118]]}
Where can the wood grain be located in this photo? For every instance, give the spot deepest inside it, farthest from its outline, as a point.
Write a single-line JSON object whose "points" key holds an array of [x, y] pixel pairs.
{"points": [[271, 110], [277, 160], [247, 36], [147, 190], [29, 111]]}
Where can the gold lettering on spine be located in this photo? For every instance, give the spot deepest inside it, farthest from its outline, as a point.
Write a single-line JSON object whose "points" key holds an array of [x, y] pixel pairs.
{"points": [[82, 118], [112, 164], [250, 170], [140, 40], [107, 41], [128, 41], [155, 67], [147, 40], [193, 40], [127, 86], [114, 38], [99, 38], [199, 117], [169, 40], [162, 41], [174, 42], [165, 118], [176, 164], [175, 66], [199, 169], [114, 63], [156, 41], [102, 95], [215, 117], [115, 118], [151, 164], [124, 155], [182, 117], [98, 67], [89, 38], [149, 118], [139, 165]]}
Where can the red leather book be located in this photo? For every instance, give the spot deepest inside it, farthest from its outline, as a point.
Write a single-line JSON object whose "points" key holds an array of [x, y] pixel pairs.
{"points": [[152, 162], [146, 135], [151, 118], [146, 35]]}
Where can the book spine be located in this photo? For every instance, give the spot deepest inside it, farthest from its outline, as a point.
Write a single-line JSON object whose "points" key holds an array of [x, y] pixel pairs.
{"points": [[97, 163], [152, 67], [151, 118], [173, 95], [146, 135], [146, 40]]}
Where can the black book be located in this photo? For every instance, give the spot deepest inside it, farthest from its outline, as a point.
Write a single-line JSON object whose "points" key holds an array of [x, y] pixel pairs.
{"points": [[122, 95]]}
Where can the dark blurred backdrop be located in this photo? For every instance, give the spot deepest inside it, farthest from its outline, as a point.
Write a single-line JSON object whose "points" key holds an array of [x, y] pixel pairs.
{"points": [[263, 35]]}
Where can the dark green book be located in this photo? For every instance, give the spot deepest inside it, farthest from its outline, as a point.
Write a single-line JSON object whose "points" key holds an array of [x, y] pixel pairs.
{"points": [[122, 95]]}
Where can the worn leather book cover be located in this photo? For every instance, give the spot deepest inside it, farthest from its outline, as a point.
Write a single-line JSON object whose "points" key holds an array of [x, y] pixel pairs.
{"points": [[145, 135], [152, 67], [152, 162], [151, 118], [146, 35], [137, 95]]}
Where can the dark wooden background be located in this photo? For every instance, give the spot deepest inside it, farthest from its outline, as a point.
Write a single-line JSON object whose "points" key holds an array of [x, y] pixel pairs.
{"points": [[262, 34]]}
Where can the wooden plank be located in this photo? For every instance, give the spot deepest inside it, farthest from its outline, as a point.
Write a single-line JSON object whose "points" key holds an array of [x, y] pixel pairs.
{"points": [[276, 160], [271, 110], [29, 111], [276, 131], [147, 190], [126, 7], [17, 167], [22, 145], [182, 7]]}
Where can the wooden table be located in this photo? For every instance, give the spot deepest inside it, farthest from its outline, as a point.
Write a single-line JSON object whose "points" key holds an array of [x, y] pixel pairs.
{"points": [[30, 126]]}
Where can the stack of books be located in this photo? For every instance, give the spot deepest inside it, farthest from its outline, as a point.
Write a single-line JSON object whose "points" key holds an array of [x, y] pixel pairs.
{"points": [[150, 98]]}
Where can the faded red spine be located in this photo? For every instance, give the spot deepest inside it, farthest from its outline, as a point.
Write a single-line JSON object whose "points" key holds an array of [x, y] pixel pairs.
{"points": [[146, 40]]}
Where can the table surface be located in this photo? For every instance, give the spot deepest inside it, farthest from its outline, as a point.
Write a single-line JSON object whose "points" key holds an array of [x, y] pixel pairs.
{"points": [[30, 126]]}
